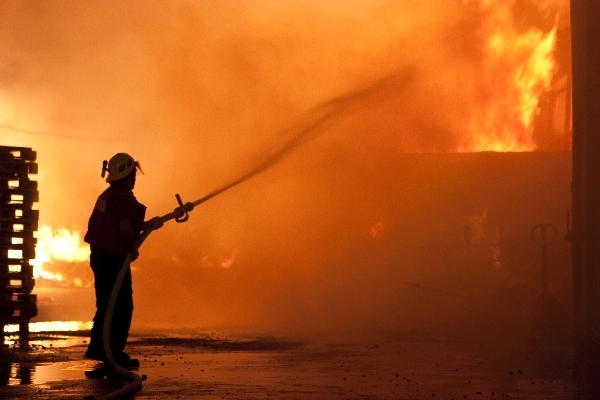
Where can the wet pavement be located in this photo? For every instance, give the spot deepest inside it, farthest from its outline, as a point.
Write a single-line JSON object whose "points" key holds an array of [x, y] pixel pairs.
{"points": [[365, 366]]}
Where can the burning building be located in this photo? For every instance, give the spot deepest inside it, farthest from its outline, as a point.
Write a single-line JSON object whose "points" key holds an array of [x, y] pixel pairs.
{"points": [[419, 122]]}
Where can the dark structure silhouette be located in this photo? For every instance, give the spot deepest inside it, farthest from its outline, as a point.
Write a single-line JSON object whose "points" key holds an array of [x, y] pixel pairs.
{"points": [[18, 221], [585, 235]]}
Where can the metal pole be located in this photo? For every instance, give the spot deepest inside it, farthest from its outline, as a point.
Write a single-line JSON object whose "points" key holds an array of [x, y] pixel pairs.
{"points": [[585, 33]]}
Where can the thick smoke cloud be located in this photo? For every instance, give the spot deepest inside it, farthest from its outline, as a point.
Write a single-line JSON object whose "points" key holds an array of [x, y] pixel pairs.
{"points": [[201, 92]]}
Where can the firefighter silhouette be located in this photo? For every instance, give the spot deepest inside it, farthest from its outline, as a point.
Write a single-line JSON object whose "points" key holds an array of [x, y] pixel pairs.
{"points": [[113, 229]]}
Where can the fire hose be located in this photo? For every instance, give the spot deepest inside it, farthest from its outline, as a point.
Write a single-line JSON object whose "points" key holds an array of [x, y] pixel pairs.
{"points": [[180, 214]]}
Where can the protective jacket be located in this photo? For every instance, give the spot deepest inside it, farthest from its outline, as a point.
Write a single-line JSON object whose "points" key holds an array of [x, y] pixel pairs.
{"points": [[116, 222]]}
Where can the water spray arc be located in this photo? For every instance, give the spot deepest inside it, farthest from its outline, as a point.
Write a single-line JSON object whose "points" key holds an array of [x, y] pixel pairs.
{"points": [[324, 115]]}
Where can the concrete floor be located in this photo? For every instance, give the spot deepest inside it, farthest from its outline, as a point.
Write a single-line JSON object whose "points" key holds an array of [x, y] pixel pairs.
{"points": [[365, 366]]}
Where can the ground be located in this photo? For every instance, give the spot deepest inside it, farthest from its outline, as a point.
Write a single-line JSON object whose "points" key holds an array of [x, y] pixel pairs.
{"points": [[356, 366]]}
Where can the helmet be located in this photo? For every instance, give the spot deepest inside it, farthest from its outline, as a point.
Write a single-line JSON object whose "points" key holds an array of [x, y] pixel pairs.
{"points": [[119, 166]]}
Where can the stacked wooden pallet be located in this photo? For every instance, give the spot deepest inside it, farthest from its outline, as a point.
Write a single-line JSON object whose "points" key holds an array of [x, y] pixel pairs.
{"points": [[18, 222]]}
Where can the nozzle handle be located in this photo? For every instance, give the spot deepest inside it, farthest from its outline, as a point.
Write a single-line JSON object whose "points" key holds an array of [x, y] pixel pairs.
{"points": [[183, 210], [104, 168]]}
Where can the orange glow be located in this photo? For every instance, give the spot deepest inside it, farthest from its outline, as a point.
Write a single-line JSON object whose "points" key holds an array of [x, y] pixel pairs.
{"points": [[210, 262], [376, 230], [228, 262], [202, 93], [58, 245], [517, 69]]}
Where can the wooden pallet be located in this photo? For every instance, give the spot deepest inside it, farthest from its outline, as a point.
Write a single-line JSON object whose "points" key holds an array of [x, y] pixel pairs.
{"points": [[18, 222]]}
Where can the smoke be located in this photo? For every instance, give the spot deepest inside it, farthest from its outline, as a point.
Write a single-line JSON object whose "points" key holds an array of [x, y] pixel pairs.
{"points": [[203, 92], [323, 117]]}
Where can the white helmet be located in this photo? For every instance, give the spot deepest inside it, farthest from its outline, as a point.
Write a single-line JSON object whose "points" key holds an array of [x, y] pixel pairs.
{"points": [[119, 166]]}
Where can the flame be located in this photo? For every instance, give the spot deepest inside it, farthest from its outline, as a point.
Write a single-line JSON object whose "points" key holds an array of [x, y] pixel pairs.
{"points": [[228, 262], [210, 262], [58, 244], [517, 69], [376, 230], [52, 326]]}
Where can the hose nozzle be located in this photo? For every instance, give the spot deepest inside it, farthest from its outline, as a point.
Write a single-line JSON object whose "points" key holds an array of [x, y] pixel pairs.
{"points": [[183, 209]]}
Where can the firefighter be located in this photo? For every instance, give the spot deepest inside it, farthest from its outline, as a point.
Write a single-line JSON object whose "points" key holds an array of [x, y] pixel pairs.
{"points": [[113, 229]]}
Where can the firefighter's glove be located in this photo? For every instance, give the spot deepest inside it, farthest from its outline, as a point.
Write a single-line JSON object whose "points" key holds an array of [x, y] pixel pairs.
{"points": [[154, 223]]}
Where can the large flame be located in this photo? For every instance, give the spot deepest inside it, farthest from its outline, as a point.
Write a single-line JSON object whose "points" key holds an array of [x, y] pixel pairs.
{"points": [[517, 69], [63, 245], [58, 244]]}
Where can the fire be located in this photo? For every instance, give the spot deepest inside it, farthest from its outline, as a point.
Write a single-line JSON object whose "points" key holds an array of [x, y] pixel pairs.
{"points": [[517, 69], [58, 244], [228, 262], [212, 262], [52, 326], [376, 230]]}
